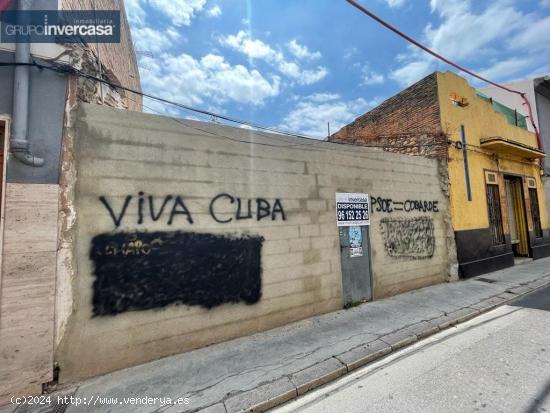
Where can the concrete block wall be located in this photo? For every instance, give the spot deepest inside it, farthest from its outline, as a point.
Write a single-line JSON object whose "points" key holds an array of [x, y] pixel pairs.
{"points": [[120, 154]]}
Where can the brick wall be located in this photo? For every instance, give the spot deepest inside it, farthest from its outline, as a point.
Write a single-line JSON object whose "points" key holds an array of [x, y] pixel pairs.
{"points": [[408, 123], [119, 64], [120, 154]]}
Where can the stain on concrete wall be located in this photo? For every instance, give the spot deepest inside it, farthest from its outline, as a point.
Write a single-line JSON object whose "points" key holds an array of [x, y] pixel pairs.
{"points": [[408, 237], [145, 270]]}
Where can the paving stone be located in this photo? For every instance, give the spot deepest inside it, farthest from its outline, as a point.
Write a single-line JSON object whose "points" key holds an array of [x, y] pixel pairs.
{"points": [[216, 408], [489, 303], [263, 397], [520, 290], [507, 296], [400, 338], [318, 374], [443, 321], [538, 283], [464, 314], [359, 356], [423, 329]]}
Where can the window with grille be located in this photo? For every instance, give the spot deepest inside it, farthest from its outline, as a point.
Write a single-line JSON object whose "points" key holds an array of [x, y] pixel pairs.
{"points": [[535, 213], [495, 215]]}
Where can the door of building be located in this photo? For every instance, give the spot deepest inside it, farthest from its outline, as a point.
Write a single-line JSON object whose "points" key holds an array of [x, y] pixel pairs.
{"points": [[516, 216], [356, 265]]}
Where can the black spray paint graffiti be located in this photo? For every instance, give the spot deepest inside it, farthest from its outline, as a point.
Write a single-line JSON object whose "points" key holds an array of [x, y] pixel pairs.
{"points": [[408, 237], [388, 205], [263, 209], [174, 205], [146, 270]]}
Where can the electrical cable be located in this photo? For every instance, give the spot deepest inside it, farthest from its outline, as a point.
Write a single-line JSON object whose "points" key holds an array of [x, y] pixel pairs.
{"points": [[478, 149], [71, 70], [67, 69], [451, 63], [293, 145]]}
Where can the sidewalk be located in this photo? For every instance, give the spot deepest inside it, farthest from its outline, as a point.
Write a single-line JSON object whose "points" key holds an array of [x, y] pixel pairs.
{"points": [[269, 368]]}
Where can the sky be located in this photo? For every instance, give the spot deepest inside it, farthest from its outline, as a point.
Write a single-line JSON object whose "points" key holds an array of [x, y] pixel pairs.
{"points": [[298, 65]]}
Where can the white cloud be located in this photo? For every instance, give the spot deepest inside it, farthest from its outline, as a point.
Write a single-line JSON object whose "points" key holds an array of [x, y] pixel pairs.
{"points": [[190, 81], [257, 49], [180, 12], [535, 36], [322, 97], [309, 77], [134, 11], [370, 77], [301, 51], [450, 7], [475, 37], [311, 114], [464, 35], [411, 72], [395, 3], [505, 68], [350, 52], [149, 40], [253, 48], [214, 11]]}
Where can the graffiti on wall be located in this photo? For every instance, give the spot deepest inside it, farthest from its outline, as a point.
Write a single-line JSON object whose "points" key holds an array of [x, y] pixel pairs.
{"points": [[147, 270], [150, 208], [408, 237], [388, 205]]}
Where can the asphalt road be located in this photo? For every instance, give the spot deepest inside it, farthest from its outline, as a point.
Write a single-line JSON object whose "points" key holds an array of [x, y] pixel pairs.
{"points": [[497, 362]]}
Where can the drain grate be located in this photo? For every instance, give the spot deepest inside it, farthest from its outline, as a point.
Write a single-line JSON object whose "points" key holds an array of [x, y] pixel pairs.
{"points": [[486, 280]]}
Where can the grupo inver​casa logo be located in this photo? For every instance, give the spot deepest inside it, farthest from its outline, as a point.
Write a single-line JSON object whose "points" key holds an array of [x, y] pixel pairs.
{"points": [[58, 26]]}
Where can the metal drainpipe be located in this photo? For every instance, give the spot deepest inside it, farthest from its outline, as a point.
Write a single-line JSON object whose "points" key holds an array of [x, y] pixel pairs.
{"points": [[19, 142]]}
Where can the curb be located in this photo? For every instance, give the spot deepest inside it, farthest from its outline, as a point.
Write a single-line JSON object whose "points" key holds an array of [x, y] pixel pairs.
{"points": [[272, 394]]}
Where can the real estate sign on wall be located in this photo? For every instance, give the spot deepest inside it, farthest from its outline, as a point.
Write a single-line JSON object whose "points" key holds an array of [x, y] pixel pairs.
{"points": [[352, 209]]}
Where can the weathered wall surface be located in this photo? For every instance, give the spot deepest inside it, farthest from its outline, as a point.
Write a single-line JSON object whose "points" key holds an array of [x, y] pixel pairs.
{"points": [[118, 60], [476, 252], [515, 101], [406, 123], [480, 121], [165, 261]]}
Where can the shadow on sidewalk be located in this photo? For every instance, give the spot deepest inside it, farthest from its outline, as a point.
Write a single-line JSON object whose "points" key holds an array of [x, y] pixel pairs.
{"points": [[537, 405], [539, 300]]}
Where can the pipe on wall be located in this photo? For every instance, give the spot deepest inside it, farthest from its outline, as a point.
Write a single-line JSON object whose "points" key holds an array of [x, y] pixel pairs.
{"points": [[19, 142]]}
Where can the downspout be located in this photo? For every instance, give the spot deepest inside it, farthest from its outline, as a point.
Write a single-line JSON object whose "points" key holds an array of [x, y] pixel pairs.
{"points": [[19, 142]]}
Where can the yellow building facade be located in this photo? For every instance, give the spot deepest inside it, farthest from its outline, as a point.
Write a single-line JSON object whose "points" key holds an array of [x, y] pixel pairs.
{"points": [[497, 197]]}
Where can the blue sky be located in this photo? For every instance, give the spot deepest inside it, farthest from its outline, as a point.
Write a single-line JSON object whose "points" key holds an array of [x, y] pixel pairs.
{"points": [[298, 64]]}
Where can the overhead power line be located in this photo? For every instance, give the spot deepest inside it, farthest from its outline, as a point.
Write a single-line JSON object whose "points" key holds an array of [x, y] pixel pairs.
{"points": [[70, 70], [449, 62], [67, 69]]}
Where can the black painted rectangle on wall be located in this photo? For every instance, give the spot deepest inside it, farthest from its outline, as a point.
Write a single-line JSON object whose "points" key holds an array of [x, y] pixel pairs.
{"points": [[146, 270]]}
